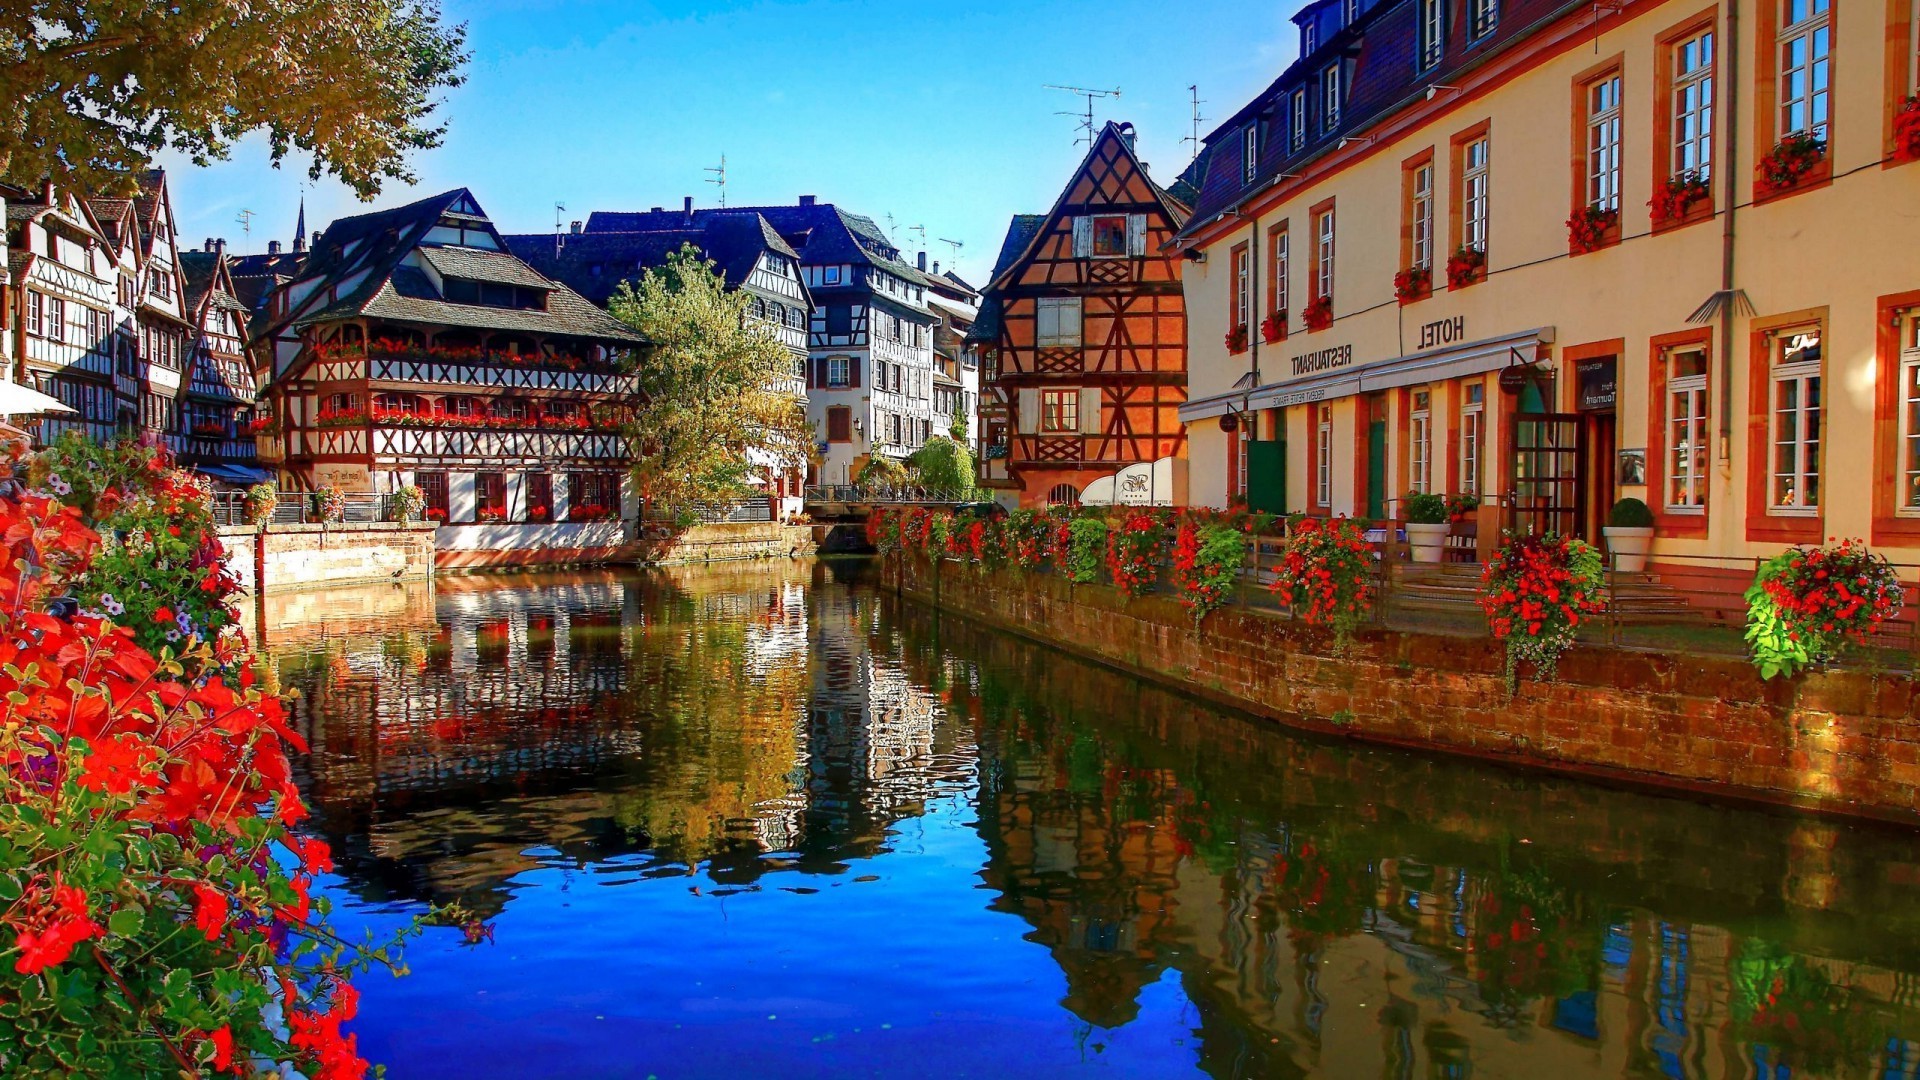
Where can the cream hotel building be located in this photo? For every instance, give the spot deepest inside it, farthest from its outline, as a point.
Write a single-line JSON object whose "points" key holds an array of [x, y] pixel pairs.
{"points": [[1552, 253]]}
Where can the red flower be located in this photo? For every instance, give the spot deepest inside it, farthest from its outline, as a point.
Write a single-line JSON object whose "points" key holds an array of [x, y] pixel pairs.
{"points": [[222, 1040], [209, 910], [163, 614], [115, 765]]}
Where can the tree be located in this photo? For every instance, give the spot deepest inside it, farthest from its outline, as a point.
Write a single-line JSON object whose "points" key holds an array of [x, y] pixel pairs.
{"points": [[944, 465], [710, 388], [89, 92]]}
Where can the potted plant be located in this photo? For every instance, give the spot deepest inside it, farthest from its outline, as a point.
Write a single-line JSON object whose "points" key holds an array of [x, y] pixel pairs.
{"points": [[1318, 314], [1629, 534], [1428, 522], [1465, 266], [1413, 283], [1591, 228], [1273, 329], [1237, 339], [261, 499]]}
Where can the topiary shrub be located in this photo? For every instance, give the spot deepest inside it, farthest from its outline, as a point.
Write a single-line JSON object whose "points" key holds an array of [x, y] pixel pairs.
{"points": [[1425, 509], [1630, 514]]}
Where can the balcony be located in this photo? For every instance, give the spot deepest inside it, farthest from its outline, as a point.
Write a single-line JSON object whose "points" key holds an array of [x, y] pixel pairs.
{"points": [[415, 371], [483, 445]]}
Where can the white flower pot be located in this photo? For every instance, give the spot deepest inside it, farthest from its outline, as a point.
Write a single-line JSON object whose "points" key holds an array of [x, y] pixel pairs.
{"points": [[1629, 548], [1428, 542]]}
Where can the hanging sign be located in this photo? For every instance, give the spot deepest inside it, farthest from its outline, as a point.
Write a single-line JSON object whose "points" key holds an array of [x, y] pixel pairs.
{"points": [[1229, 423]]}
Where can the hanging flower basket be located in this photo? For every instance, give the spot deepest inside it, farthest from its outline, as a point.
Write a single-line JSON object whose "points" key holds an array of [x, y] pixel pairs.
{"points": [[1273, 329], [1206, 564], [1465, 266], [1590, 229], [1318, 315], [1677, 196], [1134, 550], [261, 499], [1237, 339], [1326, 576], [1413, 283], [1536, 591], [1807, 604], [1789, 163]]}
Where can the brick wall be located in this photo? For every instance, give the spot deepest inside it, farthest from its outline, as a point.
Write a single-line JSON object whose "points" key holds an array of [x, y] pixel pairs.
{"points": [[1839, 741]]}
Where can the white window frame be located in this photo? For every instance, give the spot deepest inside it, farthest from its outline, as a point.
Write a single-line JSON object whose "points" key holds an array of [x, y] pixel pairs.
{"points": [[1050, 329], [1686, 435], [1323, 455], [1299, 131], [1422, 216], [1330, 97], [1323, 277], [1250, 154], [1909, 398], [1420, 442], [1604, 117], [839, 372], [54, 328], [1433, 34], [1806, 107], [1692, 94], [1805, 377], [1472, 432], [36, 313], [1242, 313], [1483, 16], [1476, 185], [1280, 265]]}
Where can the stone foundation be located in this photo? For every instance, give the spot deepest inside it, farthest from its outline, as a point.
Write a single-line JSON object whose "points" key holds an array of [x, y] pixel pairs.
{"points": [[304, 556], [727, 541], [1842, 741]]}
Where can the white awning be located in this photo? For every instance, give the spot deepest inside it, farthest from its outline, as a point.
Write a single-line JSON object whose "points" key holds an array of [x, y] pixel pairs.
{"points": [[1413, 369], [17, 400]]}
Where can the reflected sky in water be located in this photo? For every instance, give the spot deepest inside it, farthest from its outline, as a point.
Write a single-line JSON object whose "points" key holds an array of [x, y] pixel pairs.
{"points": [[768, 820]]}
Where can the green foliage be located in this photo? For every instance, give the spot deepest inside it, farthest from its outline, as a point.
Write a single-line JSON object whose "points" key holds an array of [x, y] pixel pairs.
{"points": [[1086, 549], [1425, 508], [882, 471], [1630, 514], [944, 465], [90, 92], [408, 502], [1207, 560], [710, 388], [1806, 604]]}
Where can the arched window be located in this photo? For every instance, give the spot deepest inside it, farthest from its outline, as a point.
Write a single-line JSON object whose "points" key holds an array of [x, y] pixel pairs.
{"points": [[1063, 495]]}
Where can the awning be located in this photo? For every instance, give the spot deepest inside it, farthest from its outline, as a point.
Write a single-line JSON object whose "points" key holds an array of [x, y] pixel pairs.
{"points": [[17, 400], [234, 474], [1413, 369]]}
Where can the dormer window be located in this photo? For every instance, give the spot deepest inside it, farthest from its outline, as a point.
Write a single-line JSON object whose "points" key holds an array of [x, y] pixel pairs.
{"points": [[1433, 32], [1299, 126], [1250, 155], [1309, 37], [1330, 98]]}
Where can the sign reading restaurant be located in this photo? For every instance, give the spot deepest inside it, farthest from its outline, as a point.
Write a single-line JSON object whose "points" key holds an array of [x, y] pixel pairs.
{"points": [[1325, 360]]}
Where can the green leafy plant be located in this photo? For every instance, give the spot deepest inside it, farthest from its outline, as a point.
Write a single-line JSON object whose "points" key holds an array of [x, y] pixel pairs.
{"points": [[408, 503], [1086, 549], [1134, 550], [1425, 509], [945, 466], [1630, 514], [1806, 604], [261, 501], [1207, 559]]}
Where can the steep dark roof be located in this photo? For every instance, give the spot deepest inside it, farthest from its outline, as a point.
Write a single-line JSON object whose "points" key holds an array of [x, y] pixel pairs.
{"points": [[1186, 187], [594, 263], [472, 264], [820, 233], [1020, 233], [201, 270]]}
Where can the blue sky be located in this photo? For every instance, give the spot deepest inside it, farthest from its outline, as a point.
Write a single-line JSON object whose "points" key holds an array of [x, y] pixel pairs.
{"points": [[934, 113]]}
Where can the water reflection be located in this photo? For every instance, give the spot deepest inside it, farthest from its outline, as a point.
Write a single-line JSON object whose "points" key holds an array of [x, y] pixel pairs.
{"points": [[934, 850]]}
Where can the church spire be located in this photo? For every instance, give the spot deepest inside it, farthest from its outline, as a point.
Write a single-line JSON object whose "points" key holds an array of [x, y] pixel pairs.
{"points": [[300, 229]]}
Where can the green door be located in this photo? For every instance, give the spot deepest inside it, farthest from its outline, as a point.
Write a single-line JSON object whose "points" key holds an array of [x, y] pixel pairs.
{"points": [[1267, 477], [1377, 469]]}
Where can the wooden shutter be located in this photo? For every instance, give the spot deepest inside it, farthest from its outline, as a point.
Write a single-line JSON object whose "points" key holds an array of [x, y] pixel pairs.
{"points": [[1083, 238], [853, 372], [1070, 321], [1029, 410], [1090, 411], [1136, 235]]}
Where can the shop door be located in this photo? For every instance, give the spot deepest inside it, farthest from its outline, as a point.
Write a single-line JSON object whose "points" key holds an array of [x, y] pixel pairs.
{"points": [[1377, 464], [1267, 477], [1548, 488], [1597, 455]]}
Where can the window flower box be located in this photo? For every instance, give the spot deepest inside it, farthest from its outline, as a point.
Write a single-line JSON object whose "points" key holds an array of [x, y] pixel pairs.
{"points": [[1273, 329], [1237, 339], [1592, 228], [1677, 197], [1466, 266], [1318, 315], [1789, 164], [1413, 284], [1906, 130]]}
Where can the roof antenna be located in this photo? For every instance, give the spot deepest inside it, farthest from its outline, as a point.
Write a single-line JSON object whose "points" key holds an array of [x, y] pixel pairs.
{"points": [[1194, 92], [956, 245], [559, 211], [922, 230], [245, 220], [720, 179], [1085, 119]]}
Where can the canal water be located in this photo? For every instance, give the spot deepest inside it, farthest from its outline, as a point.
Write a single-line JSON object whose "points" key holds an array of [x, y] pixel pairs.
{"points": [[769, 821]]}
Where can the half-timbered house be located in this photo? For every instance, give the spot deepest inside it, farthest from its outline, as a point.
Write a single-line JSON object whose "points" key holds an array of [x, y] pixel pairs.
{"points": [[66, 297], [956, 361], [869, 337], [411, 347], [749, 256], [1087, 340], [216, 412]]}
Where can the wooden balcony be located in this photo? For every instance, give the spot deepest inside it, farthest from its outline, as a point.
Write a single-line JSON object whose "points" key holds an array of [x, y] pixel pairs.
{"points": [[413, 371], [461, 445]]}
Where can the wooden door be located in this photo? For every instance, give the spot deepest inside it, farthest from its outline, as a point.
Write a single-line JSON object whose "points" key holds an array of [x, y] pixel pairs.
{"points": [[1547, 473]]}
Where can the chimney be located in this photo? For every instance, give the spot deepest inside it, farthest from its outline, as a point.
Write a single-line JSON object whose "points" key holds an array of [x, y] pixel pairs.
{"points": [[807, 200], [575, 228], [923, 262], [936, 268], [273, 247], [46, 192], [219, 246], [209, 244], [689, 209], [659, 209]]}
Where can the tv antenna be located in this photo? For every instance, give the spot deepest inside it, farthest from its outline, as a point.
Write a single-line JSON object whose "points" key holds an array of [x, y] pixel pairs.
{"points": [[922, 230], [245, 220], [1085, 119], [956, 245], [893, 226], [720, 179], [559, 213], [1194, 93]]}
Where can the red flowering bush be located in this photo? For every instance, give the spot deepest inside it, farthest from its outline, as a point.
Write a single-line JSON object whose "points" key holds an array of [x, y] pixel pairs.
{"points": [[1326, 576], [1806, 604], [1590, 228], [1029, 539], [883, 530], [331, 503], [1792, 160], [1134, 550], [1237, 339], [1413, 283], [1535, 591], [1273, 329], [1318, 314], [1207, 559], [581, 512], [1677, 196], [1906, 129], [155, 917], [1465, 266]]}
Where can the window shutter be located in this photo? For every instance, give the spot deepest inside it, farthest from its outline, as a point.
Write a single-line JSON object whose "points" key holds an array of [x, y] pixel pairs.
{"points": [[1136, 235], [1029, 409], [1070, 322], [853, 372], [1083, 238], [1090, 411]]}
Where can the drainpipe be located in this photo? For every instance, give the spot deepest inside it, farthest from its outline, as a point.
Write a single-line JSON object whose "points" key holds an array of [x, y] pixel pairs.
{"points": [[1729, 184], [1253, 347]]}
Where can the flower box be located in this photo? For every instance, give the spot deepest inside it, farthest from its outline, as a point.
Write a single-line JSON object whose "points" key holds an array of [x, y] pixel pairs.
{"points": [[1906, 130], [1466, 266], [1592, 228], [1791, 162], [1318, 315], [1273, 329], [1677, 197], [1413, 284], [1237, 339]]}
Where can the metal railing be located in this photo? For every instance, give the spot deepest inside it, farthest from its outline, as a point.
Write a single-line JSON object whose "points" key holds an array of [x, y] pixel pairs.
{"points": [[745, 511], [296, 507], [855, 494]]}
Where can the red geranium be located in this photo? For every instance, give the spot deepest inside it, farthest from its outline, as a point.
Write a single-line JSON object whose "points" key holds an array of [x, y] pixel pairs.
{"points": [[1326, 575]]}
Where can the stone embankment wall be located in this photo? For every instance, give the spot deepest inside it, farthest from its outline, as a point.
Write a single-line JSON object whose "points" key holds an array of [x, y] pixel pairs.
{"points": [[303, 556], [727, 541], [1842, 741]]}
